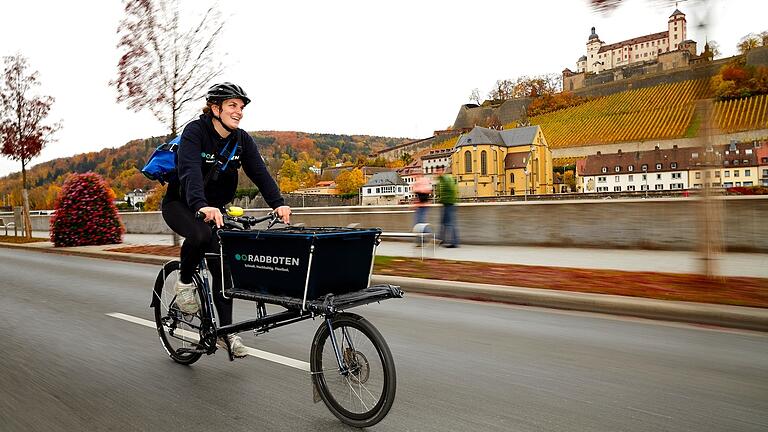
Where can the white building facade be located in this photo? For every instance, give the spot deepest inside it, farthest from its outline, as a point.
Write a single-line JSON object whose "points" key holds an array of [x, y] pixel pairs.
{"points": [[601, 57]]}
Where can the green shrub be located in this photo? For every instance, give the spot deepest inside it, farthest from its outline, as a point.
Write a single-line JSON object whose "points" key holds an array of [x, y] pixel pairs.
{"points": [[85, 213]]}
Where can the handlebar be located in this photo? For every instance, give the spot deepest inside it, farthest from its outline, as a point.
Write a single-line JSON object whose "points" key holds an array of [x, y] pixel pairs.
{"points": [[244, 222]]}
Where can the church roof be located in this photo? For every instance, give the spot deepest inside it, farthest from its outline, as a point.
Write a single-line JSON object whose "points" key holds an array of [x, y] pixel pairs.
{"points": [[508, 137]]}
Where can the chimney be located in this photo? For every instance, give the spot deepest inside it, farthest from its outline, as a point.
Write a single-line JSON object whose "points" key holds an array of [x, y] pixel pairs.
{"points": [[656, 148]]}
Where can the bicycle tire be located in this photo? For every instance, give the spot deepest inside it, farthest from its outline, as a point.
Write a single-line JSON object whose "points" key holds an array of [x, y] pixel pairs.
{"points": [[170, 321], [367, 353]]}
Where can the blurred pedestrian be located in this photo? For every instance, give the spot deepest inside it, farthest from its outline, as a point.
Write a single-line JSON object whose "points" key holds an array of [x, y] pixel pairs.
{"points": [[447, 197], [422, 187]]}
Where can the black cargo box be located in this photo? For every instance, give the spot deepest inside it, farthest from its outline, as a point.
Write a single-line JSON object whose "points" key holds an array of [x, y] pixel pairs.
{"points": [[300, 262]]}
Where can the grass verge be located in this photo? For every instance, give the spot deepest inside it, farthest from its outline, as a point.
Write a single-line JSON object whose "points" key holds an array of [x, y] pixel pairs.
{"points": [[738, 291]]}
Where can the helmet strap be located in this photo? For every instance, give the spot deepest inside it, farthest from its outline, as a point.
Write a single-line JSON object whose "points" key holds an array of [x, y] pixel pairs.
{"points": [[218, 117]]}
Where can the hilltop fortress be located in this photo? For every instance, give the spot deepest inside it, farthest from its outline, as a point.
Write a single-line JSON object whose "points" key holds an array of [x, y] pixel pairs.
{"points": [[657, 58]]}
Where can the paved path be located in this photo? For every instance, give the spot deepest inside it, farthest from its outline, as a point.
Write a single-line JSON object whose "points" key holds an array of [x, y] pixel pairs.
{"points": [[729, 264]]}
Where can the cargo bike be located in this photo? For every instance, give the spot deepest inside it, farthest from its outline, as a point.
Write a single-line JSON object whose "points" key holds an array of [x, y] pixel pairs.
{"points": [[316, 273]]}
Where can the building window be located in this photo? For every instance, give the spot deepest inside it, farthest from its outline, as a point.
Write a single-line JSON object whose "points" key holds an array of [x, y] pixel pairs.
{"points": [[631, 187], [748, 183], [604, 169], [659, 187], [658, 176], [617, 188], [617, 168], [378, 190], [676, 175], [727, 174], [765, 173], [617, 178], [483, 163], [698, 175], [601, 179], [747, 173], [631, 177], [645, 176], [512, 178], [468, 161], [644, 187], [745, 162], [736, 162], [735, 173], [674, 165], [631, 168], [658, 166]]}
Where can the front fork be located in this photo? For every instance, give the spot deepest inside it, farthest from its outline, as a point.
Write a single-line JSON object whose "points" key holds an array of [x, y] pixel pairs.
{"points": [[343, 366]]}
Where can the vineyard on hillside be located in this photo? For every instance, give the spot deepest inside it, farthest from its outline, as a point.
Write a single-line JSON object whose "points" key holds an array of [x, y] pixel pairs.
{"points": [[742, 114], [660, 112]]}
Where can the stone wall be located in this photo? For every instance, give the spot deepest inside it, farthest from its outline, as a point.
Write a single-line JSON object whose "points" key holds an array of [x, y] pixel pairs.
{"points": [[655, 223]]}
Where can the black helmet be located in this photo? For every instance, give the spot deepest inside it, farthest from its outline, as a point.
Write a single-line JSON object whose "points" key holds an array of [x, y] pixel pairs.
{"points": [[218, 93]]}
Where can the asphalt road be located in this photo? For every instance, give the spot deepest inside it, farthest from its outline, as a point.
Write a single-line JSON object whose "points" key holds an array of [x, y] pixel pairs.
{"points": [[462, 366]]}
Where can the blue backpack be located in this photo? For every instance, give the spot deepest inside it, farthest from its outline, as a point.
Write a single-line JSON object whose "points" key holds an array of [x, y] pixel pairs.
{"points": [[161, 166]]}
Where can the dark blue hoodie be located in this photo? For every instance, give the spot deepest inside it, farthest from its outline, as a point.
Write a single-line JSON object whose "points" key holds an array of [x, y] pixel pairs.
{"points": [[199, 147]]}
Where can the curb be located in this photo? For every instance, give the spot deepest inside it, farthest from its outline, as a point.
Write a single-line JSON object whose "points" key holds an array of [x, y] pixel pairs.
{"points": [[740, 317]]}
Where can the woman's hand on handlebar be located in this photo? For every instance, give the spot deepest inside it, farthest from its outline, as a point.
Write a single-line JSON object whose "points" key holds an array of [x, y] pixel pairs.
{"points": [[212, 214], [284, 213]]}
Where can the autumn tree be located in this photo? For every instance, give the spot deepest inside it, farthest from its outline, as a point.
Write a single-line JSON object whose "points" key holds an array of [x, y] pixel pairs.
{"points": [[350, 182], [749, 42], [164, 67], [22, 114], [525, 86]]}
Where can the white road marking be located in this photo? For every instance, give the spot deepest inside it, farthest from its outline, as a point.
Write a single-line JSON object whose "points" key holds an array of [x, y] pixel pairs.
{"points": [[276, 358]]}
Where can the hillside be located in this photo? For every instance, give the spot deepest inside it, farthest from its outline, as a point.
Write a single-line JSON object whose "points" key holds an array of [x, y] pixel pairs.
{"points": [[120, 166], [666, 111]]}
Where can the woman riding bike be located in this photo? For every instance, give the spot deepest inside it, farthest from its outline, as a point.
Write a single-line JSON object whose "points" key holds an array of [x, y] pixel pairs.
{"points": [[211, 150]]}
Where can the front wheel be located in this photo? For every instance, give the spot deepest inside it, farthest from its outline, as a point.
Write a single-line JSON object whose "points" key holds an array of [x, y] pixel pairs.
{"points": [[361, 393], [179, 332]]}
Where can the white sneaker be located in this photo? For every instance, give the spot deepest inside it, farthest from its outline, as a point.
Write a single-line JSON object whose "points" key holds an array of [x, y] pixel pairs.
{"points": [[186, 298], [239, 349]]}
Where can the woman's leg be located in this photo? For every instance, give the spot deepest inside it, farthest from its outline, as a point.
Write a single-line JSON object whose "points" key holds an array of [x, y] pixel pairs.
{"points": [[196, 233]]}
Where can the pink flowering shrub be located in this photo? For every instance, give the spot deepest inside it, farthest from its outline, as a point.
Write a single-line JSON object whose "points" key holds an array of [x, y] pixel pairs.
{"points": [[85, 213]]}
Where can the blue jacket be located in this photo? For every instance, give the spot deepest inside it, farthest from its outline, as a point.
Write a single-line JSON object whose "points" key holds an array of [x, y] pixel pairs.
{"points": [[199, 147]]}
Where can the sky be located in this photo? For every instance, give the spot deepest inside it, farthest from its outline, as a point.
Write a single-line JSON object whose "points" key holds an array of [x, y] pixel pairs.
{"points": [[395, 68]]}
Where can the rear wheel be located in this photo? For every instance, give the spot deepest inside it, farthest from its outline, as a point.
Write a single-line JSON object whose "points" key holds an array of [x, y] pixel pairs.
{"points": [[362, 393], [179, 332]]}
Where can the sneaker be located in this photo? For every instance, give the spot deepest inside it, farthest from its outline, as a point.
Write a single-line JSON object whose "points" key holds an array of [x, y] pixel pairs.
{"points": [[239, 349], [186, 298]]}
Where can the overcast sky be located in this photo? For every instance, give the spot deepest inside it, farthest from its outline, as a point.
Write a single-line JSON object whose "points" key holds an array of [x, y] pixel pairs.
{"points": [[391, 68]]}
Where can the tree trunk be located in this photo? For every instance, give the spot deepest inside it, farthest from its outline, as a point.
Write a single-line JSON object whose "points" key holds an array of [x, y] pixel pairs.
{"points": [[27, 219], [25, 201]]}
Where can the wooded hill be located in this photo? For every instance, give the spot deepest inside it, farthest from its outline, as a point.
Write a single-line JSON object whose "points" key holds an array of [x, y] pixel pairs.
{"points": [[120, 167]]}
